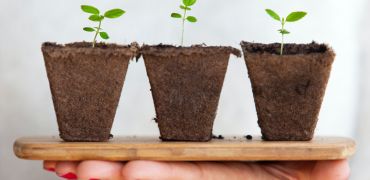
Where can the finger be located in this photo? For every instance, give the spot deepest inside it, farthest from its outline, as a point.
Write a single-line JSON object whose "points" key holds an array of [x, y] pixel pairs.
{"points": [[271, 170], [287, 170], [186, 170], [331, 170], [49, 165], [67, 170], [101, 170]]}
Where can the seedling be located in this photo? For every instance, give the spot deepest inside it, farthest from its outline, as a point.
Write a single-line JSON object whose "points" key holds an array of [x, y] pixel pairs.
{"points": [[97, 17], [185, 6], [292, 17]]}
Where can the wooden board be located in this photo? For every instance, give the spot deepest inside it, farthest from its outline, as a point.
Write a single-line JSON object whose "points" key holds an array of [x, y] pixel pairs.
{"points": [[147, 148]]}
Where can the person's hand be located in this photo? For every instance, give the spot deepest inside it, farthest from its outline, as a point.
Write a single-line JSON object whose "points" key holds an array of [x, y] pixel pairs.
{"points": [[151, 170]]}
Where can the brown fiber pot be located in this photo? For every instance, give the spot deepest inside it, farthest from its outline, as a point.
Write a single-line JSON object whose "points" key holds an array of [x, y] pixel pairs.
{"points": [[86, 85], [288, 90], [186, 84]]}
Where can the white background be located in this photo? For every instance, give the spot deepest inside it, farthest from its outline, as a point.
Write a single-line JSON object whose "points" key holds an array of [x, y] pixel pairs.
{"points": [[25, 101]]}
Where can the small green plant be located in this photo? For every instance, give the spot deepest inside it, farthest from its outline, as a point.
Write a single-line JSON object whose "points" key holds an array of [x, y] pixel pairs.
{"points": [[292, 17], [97, 17], [185, 6]]}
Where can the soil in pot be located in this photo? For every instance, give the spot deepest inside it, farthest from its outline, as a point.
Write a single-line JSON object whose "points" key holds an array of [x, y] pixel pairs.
{"points": [[186, 83], [289, 89], [86, 85]]}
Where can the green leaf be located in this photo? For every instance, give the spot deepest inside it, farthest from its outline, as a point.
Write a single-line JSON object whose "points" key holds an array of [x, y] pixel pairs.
{"points": [[283, 31], [295, 16], [189, 2], [89, 29], [185, 8], [176, 15], [192, 19], [273, 14], [114, 13], [90, 9], [104, 35], [96, 18]]}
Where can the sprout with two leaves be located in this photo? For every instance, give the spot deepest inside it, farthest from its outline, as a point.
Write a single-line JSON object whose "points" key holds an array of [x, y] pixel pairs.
{"points": [[185, 6], [292, 17], [97, 17]]}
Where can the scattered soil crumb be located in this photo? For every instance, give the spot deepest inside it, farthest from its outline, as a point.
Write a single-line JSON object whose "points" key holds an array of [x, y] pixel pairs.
{"points": [[249, 137], [217, 137]]}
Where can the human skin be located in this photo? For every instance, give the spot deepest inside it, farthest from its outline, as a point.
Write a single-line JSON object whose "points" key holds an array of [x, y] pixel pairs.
{"points": [[152, 170]]}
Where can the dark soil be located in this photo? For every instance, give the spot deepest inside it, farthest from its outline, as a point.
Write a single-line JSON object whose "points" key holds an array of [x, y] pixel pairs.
{"points": [[186, 83], [86, 85], [289, 49], [288, 90]]}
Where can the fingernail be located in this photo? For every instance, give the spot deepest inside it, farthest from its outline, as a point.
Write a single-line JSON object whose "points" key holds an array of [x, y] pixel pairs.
{"points": [[69, 176], [50, 169]]}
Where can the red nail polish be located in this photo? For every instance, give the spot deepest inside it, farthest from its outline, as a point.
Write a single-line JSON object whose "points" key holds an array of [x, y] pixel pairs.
{"points": [[69, 176], [50, 169]]}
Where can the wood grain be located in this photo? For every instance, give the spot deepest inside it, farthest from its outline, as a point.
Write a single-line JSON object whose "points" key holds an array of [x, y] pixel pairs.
{"points": [[150, 148]]}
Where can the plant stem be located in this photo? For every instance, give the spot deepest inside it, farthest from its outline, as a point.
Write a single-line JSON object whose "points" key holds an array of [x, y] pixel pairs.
{"points": [[96, 34], [282, 44], [282, 38], [183, 27]]}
